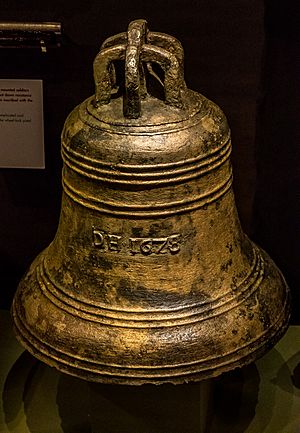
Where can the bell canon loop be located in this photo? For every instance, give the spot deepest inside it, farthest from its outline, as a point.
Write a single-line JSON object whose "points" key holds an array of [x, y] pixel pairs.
{"points": [[150, 278]]}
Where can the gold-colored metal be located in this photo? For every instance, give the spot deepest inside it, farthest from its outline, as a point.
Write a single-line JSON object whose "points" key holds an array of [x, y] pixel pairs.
{"points": [[150, 278]]}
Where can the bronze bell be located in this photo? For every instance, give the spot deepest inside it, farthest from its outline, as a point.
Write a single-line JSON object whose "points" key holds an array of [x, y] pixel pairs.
{"points": [[150, 278]]}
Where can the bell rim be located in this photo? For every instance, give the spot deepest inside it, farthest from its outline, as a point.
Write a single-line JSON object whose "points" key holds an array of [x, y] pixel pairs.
{"points": [[269, 339]]}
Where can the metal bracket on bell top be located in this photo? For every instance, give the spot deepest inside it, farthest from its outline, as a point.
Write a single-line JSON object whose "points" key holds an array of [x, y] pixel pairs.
{"points": [[136, 46]]}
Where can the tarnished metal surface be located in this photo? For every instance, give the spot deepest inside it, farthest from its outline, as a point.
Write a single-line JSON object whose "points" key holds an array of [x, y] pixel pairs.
{"points": [[150, 278]]}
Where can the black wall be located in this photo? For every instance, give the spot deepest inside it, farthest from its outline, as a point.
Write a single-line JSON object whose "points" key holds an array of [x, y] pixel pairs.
{"points": [[224, 47], [276, 216]]}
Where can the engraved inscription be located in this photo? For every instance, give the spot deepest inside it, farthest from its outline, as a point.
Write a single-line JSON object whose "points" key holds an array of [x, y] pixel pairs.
{"points": [[106, 241], [142, 245], [147, 246]]}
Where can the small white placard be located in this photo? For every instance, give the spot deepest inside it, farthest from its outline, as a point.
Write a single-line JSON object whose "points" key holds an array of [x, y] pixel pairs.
{"points": [[21, 124]]}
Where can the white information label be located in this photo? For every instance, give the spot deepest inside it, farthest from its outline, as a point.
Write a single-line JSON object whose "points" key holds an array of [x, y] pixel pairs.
{"points": [[21, 124]]}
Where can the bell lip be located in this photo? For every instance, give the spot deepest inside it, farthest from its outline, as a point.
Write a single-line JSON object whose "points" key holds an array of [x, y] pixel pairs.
{"points": [[175, 374], [124, 367]]}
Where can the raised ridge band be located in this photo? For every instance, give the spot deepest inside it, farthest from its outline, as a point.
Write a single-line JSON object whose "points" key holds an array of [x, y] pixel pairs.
{"points": [[74, 364], [187, 314], [161, 173], [153, 210]]}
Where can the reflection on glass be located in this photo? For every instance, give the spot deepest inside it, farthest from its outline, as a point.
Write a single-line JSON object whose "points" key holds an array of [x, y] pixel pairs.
{"points": [[49, 401]]}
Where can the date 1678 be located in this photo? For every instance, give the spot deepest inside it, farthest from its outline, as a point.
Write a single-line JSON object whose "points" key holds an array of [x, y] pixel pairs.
{"points": [[144, 245]]}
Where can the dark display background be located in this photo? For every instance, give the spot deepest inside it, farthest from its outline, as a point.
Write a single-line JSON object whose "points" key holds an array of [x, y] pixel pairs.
{"points": [[242, 54]]}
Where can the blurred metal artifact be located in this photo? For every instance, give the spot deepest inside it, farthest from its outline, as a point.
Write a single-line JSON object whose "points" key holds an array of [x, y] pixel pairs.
{"points": [[150, 278], [17, 34]]}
